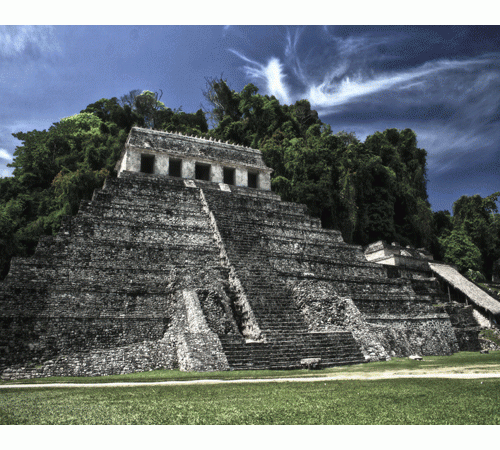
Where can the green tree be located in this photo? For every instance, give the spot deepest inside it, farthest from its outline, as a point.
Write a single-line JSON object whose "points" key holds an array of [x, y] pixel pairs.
{"points": [[479, 218], [398, 151], [115, 115], [72, 187], [443, 223], [54, 170], [129, 99], [460, 251], [442, 226], [178, 121], [223, 101], [8, 242], [148, 106]]}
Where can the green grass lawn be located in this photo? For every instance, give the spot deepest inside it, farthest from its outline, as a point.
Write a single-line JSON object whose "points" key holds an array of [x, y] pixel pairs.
{"points": [[391, 401], [395, 401]]}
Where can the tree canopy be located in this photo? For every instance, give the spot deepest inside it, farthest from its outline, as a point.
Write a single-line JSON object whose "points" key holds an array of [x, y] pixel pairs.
{"points": [[371, 190], [476, 218], [55, 169]]}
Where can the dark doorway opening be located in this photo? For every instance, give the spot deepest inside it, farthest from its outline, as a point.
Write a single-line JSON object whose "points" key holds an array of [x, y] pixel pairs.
{"points": [[175, 168], [252, 180], [202, 172], [147, 163], [229, 175]]}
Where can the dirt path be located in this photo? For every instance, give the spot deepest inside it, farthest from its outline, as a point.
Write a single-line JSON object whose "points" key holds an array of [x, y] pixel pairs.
{"points": [[381, 376]]}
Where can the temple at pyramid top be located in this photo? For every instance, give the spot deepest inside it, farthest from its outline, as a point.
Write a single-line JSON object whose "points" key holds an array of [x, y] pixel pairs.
{"points": [[177, 155]]}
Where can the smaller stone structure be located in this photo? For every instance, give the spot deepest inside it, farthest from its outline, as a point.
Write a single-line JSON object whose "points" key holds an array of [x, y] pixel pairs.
{"points": [[395, 255], [470, 308], [177, 155], [486, 308]]}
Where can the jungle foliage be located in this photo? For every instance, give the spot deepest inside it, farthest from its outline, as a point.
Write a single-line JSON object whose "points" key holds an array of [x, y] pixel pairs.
{"points": [[472, 242], [56, 168], [369, 190]]}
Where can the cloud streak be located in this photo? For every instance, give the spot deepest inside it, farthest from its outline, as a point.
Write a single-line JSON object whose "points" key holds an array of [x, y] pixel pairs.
{"points": [[4, 154], [337, 88], [331, 94], [5, 158], [28, 41], [271, 74]]}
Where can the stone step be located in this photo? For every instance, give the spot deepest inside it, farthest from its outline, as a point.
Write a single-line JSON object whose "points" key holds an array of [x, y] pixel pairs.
{"points": [[102, 246], [291, 352], [272, 356]]}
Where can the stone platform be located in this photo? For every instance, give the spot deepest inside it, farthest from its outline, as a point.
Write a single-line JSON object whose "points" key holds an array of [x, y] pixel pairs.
{"points": [[162, 272]]}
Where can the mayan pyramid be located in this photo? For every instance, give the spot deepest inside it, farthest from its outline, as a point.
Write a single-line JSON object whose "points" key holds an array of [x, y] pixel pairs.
{"points": [[188, 260]]}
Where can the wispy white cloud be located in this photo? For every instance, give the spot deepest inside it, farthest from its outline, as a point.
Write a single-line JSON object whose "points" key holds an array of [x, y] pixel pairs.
{"points": [[291, 54], [292, 41], [331, 93], [271, 74], [337, 88], [361, 45], [4, 154], [34, 40], [349, 69]]}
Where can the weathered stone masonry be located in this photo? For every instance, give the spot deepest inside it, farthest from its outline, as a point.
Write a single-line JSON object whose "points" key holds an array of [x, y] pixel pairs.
{"points": [[194, 158], [158, 271]]}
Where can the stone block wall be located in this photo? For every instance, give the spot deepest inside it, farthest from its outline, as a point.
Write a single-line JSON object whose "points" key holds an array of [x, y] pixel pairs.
{"points": [[164, 146], [312, 260], [198, 347], [465, 326], [118, 360], [320, 267], [109, 279], [158, 272], [422, 335]]}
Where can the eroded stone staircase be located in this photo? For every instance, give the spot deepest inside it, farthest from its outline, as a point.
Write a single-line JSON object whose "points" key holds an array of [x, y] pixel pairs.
{"points": [[244, 224], [113, 274]]}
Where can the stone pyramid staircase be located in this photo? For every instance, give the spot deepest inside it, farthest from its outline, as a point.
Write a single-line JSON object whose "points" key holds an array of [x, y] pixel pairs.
{"points": [[275, 248], [243, 222], [107, 279], [244, 259]]}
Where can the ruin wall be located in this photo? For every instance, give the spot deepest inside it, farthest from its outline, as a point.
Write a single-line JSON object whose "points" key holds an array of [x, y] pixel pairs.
{"points": [[163, 272]]}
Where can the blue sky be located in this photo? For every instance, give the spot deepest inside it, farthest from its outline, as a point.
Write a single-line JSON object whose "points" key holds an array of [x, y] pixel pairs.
{"points": [[441, 81]]}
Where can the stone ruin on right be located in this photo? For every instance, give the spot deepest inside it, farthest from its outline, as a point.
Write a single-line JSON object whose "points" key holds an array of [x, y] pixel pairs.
{"points": [[468, 306]]}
